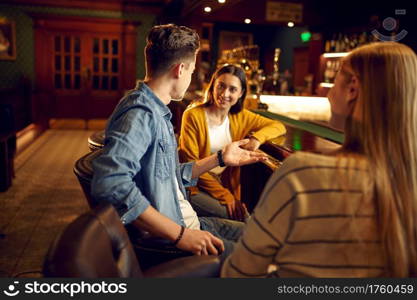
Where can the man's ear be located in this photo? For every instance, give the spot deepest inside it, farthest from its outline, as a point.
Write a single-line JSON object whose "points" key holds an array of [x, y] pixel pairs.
{"points": [[178, 70]]}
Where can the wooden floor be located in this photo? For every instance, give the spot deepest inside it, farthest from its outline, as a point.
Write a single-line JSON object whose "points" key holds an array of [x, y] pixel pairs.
{"points": [[45, 196]]}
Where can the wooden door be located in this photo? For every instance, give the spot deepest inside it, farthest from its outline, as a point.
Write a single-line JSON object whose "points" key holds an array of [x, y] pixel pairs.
{"points": [[300, 65], [84, 65]]}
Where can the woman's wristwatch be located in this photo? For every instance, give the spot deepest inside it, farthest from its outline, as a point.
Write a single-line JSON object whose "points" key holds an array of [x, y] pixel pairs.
{"points": [[220, 158]]}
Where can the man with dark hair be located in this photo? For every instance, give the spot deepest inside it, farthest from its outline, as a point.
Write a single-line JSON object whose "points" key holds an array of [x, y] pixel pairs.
{"points": [[166, 45], [138, 171]]}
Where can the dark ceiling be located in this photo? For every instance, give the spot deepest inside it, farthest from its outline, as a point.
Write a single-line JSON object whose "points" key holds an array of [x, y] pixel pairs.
{"points": [[317, 13]]}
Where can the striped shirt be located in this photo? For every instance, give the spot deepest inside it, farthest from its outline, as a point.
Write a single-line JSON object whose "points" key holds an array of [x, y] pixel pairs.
{"points": [[314, 219]]}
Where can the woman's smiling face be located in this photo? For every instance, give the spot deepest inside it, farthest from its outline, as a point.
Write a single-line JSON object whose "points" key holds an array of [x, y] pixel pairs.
{"points": [[227, 91]]}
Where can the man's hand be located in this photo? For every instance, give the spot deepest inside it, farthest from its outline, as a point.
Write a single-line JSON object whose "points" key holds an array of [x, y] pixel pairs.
{"points": [[252, 145], [237, 210], [200, 242], [234, 155], [196, 241]]}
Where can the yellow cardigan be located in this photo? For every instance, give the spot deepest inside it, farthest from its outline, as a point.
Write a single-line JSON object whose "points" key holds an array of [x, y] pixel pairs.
{"points": [[194, 144]]}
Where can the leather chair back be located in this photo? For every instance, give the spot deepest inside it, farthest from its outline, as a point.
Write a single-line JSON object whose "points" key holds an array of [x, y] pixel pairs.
{"points": [[83, 169], [95, 245]]}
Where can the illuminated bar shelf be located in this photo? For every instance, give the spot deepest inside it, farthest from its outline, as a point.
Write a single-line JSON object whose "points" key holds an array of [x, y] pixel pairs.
{"points": [[335, 54], [326, 84]]}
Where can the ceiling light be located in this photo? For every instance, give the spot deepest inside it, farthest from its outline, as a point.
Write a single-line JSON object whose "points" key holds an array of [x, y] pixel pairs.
{"points": [[207, 9], [221, 1], [290, 24], [247, 21]]}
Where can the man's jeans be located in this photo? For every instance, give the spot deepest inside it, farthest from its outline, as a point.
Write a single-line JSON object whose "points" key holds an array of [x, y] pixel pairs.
{"points": [[207, 206], [228, 231]]}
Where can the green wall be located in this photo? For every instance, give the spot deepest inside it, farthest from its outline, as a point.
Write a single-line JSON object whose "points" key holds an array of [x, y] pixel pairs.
{"points": [[12, 71]]}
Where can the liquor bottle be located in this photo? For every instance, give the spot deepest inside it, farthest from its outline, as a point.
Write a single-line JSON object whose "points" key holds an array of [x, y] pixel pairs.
{"points": [[327, 46], [271, 84], [362, 39], [333, 44], [342, 45], [327, 71], [275, 74], [339, 43], [354, 41], [331, 73], [346, 44]]}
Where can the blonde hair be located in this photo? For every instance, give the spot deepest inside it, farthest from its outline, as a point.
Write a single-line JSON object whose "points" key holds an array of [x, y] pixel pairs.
{"points": [[386, 134]]}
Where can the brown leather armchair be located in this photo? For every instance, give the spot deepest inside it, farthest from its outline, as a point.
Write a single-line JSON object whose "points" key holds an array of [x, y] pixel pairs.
{"points": [[96, 245]]}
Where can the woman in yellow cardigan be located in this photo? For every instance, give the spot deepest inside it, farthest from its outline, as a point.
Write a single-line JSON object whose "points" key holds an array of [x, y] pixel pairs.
{"points": [[210, 126]]}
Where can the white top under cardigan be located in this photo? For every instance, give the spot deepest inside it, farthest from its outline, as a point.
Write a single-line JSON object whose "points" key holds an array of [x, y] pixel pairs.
{"points": [[219, 137]]}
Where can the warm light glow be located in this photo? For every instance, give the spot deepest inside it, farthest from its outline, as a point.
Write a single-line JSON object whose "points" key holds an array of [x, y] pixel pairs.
{"points": [[207, 9], [221, 1], [326, 84], [337, 54], [290, 24], [292, 98], [298, 107], [247, 21]]}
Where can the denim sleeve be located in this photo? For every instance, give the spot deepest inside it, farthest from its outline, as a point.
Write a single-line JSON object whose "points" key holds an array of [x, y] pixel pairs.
{"points": [[186, 170], [127, 139]]}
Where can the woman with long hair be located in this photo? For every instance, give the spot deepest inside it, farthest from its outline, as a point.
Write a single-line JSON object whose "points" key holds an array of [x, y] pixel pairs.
{"points": [[352, 213], [208, 127]]}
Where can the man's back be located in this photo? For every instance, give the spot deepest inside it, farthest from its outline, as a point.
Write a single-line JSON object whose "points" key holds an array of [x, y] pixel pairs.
{"points": [[138, 166]]}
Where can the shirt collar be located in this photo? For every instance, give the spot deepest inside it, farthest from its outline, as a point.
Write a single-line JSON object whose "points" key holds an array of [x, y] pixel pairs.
{"points": [[156, 102]]}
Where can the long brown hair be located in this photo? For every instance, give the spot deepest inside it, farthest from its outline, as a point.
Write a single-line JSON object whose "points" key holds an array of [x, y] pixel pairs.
{"points": [[386, 134]]}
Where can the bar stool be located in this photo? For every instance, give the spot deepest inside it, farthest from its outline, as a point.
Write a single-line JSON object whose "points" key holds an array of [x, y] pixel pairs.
{"points": [[96, 140]]}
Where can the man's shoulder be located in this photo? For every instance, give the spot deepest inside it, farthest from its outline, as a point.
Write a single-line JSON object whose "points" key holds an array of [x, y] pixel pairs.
{"points": [[134, 97], [132, 109], [136, 101]]}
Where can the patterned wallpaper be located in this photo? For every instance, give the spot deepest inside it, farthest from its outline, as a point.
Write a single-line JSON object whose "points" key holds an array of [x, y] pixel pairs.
{"points": [[12, 71]]}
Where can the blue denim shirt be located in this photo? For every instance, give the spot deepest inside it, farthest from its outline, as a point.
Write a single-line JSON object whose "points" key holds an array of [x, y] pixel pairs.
{"points": [[139, 164]]}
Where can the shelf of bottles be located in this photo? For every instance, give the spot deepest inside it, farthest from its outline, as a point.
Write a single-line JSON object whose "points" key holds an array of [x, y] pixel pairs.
{"points": [[246, 56], [347, 42], [335, 49]]}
